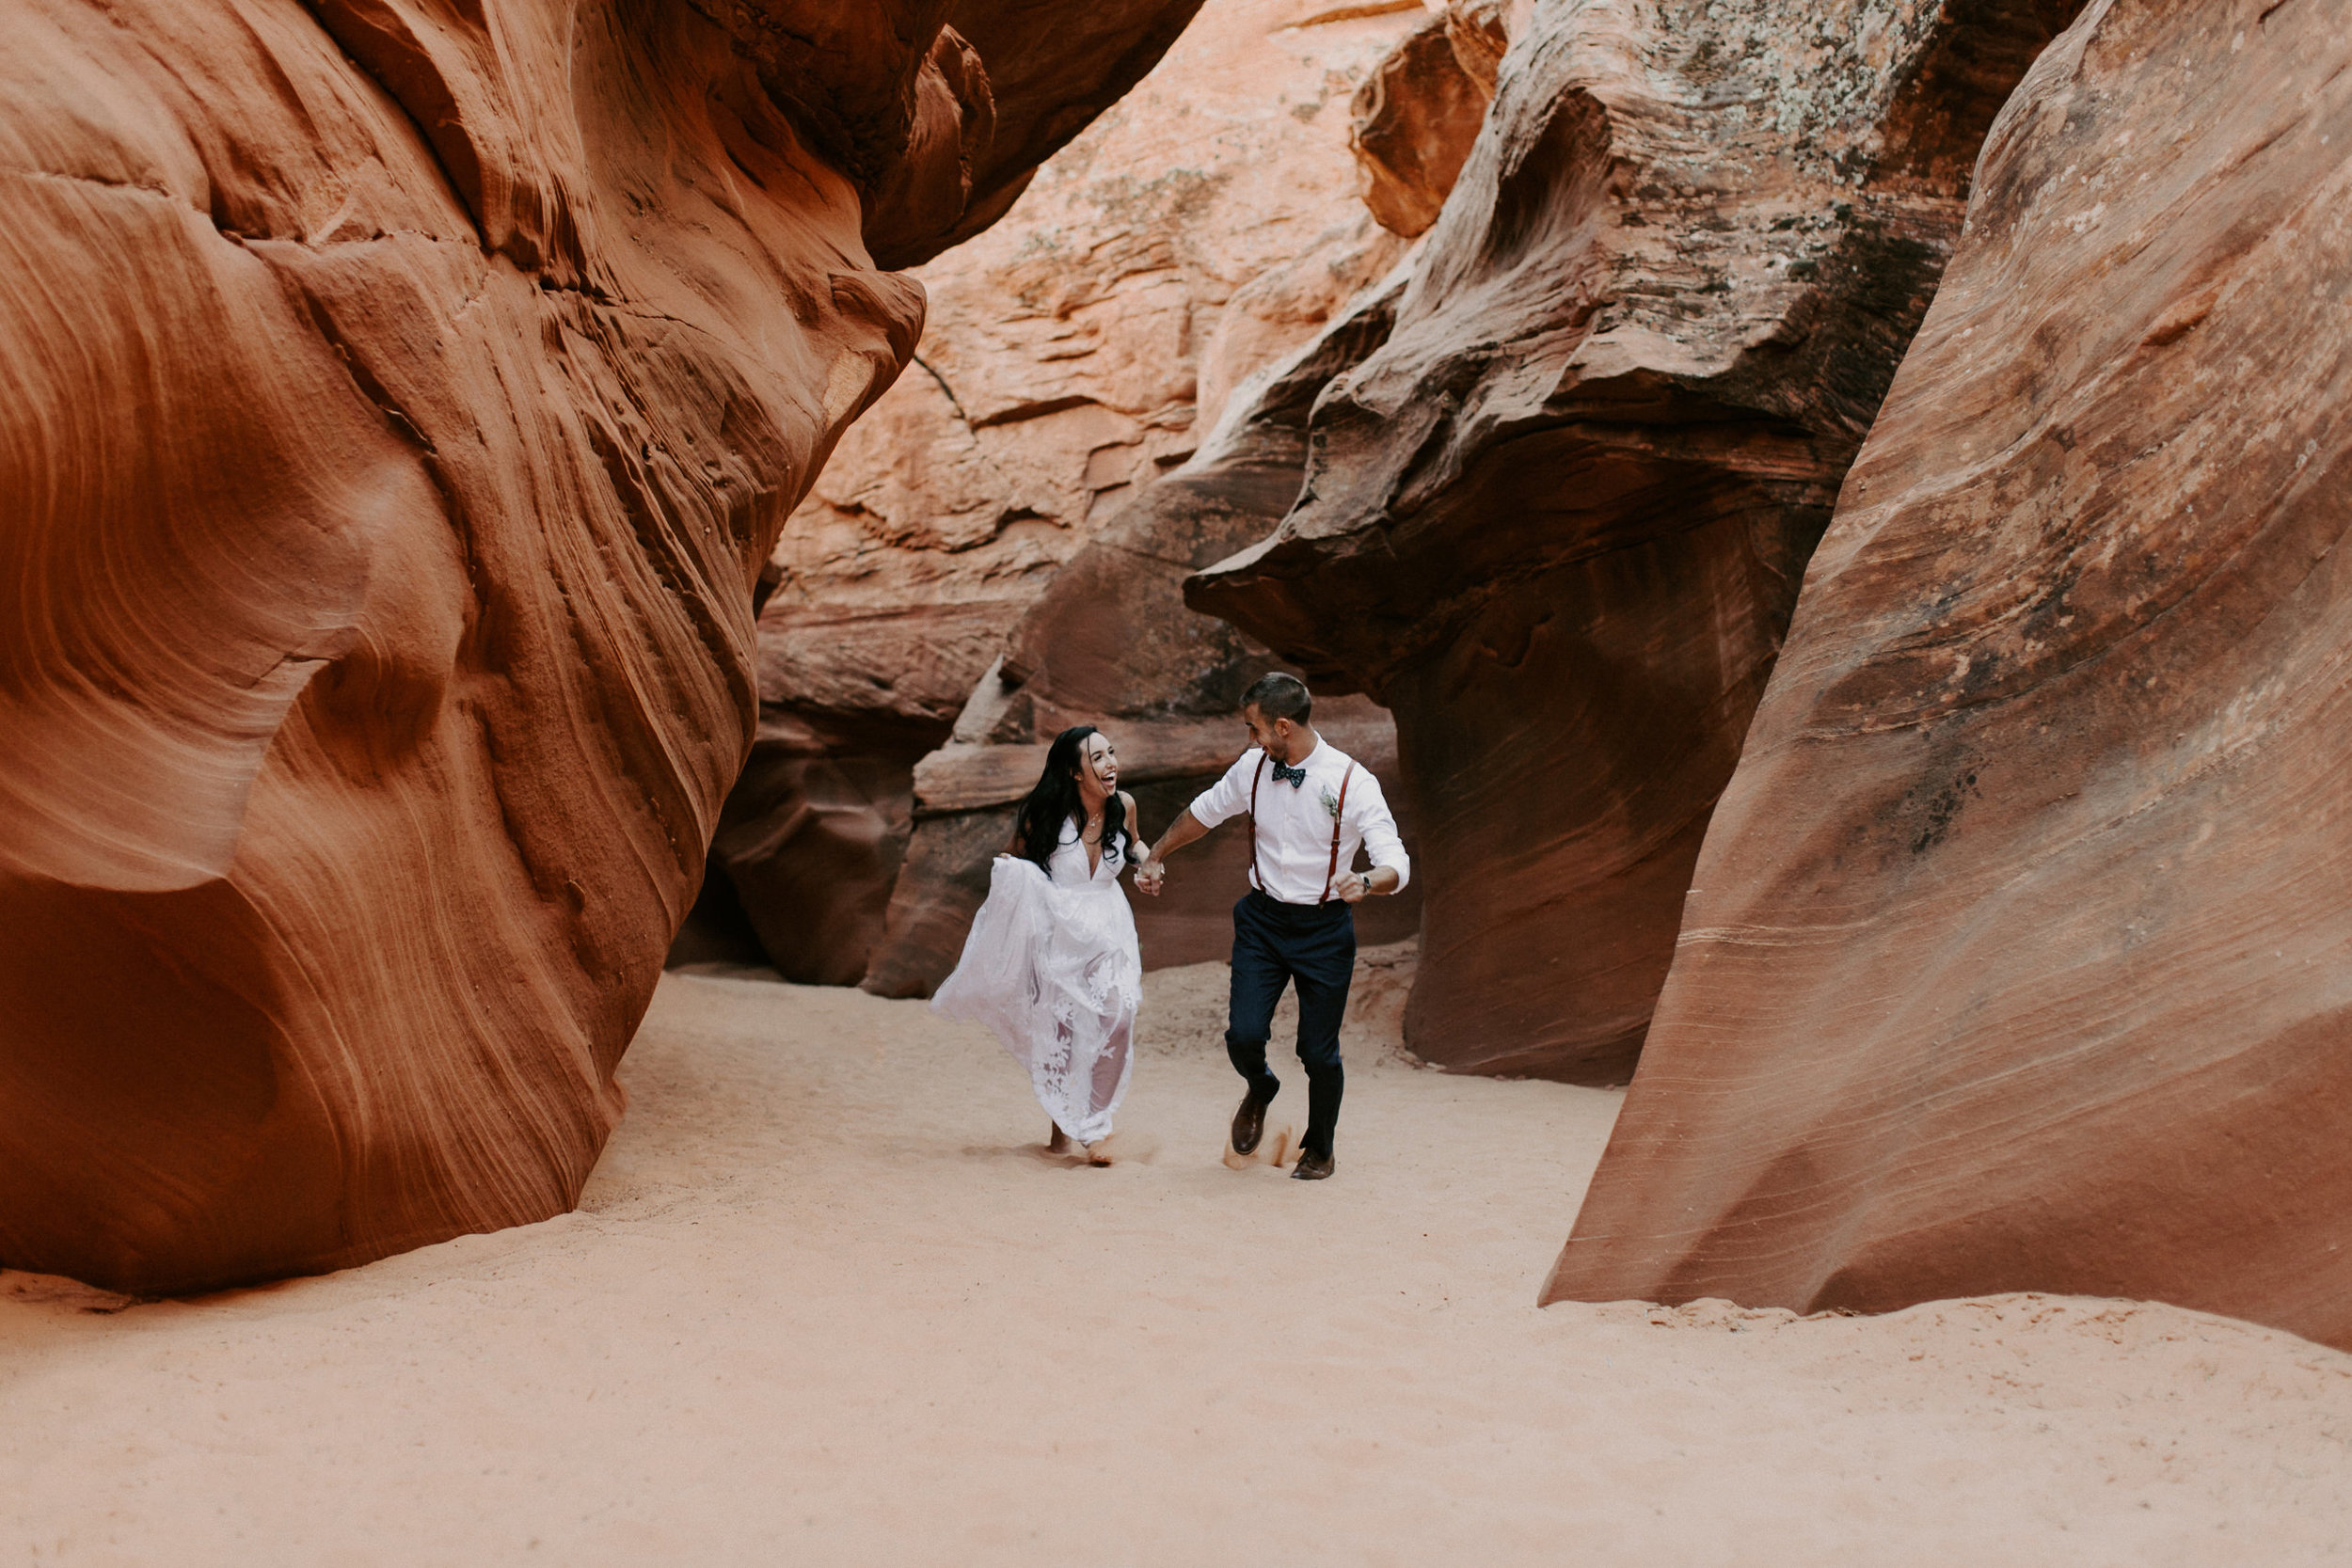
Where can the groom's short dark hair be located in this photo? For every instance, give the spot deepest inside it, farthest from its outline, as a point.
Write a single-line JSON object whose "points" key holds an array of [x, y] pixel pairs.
{"points": [[1276, 695]]}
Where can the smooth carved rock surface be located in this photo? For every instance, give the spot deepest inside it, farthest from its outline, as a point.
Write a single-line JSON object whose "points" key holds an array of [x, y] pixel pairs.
{"points": [[2018, 957], [1555, 523], [1203, 227], [397, 401], [941, 126]]}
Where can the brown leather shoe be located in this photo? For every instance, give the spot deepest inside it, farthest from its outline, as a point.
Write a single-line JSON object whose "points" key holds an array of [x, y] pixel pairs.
{"points": [[1311, 1168], [1248, 1124]]}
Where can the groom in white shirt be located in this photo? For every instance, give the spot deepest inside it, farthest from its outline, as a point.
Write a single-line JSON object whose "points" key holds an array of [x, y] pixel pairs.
{"points": [[1311, 806]]}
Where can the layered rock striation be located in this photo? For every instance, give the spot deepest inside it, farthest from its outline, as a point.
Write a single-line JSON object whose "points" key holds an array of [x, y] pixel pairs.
{"points": [[398, 399], [1072, 357], [1556, 519], [2017, 958]]}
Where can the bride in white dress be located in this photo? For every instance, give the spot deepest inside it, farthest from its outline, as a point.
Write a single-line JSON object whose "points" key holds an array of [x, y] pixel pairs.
{"points": [[1051, 964]]}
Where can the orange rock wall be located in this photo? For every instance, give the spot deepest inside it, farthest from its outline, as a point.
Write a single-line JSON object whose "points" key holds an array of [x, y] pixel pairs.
{"points": [[2017, 954], [397, 401]]}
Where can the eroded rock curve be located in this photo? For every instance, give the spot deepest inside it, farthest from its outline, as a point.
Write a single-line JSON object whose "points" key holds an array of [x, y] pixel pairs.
{"points": [[398, 399], [2016, 959]]}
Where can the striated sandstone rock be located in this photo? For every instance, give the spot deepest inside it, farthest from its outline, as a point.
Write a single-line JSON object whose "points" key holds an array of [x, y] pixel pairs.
{"points": [[2019, 953], [943, 126], [1556, 521], [397, 401], [1413, 122], [1206, 226], [1481, 33]]}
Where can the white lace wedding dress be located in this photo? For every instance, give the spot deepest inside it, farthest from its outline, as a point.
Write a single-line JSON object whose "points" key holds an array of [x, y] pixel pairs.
{"points": [[1051, 966]]}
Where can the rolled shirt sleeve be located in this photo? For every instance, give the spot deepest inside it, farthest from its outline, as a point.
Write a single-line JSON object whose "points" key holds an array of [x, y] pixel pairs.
{"points": [[1377, 828], [1230, 796]]}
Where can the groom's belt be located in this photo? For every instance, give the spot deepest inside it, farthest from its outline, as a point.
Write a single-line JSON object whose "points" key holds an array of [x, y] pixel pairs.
{"points": [[1325, 913]]}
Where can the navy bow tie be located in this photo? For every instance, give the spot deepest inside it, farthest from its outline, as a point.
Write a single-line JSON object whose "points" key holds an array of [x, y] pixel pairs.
{"points": [[1294, 777]]}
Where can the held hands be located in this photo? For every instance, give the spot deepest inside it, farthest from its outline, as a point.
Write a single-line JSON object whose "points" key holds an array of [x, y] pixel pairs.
{"points": [[1149, 872]]}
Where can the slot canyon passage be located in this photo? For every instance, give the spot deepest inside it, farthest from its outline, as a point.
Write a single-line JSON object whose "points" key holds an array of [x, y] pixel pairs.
{"points": [[1820, 514]]}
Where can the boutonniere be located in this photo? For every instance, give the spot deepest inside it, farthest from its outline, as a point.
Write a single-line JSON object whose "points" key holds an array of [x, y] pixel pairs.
{"points": [[1331, 805]]}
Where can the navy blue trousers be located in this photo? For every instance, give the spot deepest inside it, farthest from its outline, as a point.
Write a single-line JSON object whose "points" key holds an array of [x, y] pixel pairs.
{"points": [[1314, 947]]}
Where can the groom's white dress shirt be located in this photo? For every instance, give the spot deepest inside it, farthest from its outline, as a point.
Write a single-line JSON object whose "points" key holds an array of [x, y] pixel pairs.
{"points": [[1295, 822]]}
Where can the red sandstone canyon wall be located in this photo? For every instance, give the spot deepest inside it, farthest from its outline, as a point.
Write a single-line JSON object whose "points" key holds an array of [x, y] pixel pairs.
{"points": [[1073, 354], [2017, 955], [1555, 518], [398, 399]]}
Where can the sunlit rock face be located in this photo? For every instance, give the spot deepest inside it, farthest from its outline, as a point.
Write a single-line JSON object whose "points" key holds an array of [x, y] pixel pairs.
{"points": [[398, 400], [2018, 957], [1207, 224], [1556, 520]]}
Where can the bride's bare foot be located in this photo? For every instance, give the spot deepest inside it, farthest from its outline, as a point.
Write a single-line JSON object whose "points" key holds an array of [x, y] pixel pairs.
{"points": [[1099, 1153], [1059, 1143]]}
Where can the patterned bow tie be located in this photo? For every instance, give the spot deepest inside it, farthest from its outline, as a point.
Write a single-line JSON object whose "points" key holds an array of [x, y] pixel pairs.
{"points": [[1294, 777]]}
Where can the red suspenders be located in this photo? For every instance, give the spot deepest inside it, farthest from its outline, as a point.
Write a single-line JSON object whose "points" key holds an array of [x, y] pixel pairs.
{"points": [[1339, 815], [1255, 881]]}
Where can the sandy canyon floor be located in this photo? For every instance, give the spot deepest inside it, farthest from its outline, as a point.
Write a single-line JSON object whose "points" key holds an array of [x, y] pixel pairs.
{"points": [[826, 1302]]}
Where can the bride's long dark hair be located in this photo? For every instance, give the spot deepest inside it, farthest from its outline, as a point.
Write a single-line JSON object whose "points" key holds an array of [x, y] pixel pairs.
{"points": [[1056, 801]]}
